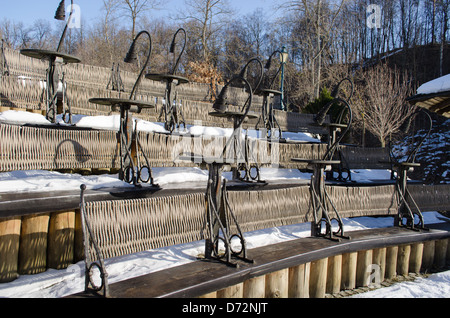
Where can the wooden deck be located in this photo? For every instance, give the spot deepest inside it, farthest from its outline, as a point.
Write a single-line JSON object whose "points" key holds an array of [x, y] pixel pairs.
{"points": [[203, 277]]}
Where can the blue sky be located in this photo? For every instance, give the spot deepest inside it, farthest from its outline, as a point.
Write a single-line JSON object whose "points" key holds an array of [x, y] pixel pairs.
{"points": [[29, 11]]}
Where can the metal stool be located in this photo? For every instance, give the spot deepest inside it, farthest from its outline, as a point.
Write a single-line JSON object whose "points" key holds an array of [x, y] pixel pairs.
{"points": [[408, 209], [132, 171], [54, 76], [171, 110], [319, 195], [267, 113], [219, 215], [172, 107], [54, 80]]}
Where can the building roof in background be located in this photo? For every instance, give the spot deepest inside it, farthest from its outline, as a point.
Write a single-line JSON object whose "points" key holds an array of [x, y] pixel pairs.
{"points": [[434, 96]]}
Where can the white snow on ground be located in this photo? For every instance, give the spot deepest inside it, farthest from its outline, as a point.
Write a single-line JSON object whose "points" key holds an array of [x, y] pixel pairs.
{"points": [[38, 180], [368, 175], [21, 118], [437, 85], [59, 283], [435, 286]]}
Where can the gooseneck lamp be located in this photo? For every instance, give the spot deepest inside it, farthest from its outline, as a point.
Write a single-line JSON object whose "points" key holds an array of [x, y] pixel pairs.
{"points": [[132, 57], [244, 71], [172, 48], [60, 14]]}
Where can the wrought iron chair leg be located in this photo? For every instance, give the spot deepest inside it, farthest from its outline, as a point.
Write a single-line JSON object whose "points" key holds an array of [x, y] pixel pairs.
{"points": [[421, 224], [140, 150], [215, 227], [220, 217], [405, 211], [229, 212], [319, 208], [88, 239], [340, 231]]}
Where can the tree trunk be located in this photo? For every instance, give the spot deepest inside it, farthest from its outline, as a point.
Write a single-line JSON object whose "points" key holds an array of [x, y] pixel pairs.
{"points": [[319, 56]]}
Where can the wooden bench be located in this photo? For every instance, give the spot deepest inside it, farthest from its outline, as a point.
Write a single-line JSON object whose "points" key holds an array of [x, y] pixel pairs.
{"points": [[199, 278]]}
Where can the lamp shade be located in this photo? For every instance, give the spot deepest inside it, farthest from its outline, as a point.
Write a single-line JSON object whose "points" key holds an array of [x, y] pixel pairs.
{"points": [[221, 103], [244, 72], [60, 13], [131, 55], [320, 117], [284, 55], [172, 46]]}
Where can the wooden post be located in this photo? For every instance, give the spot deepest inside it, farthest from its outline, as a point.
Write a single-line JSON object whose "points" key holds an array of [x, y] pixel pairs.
{"points": [[391, 262], [448, 250], [210, 295], [35, 111], [100, 171], [415, 259], [255, 287], [277, 284], [428, 255], [83, 171], [440, 253], [404, 252], [363, 268], [334, 273], [79, 245], [9, 248], [379, 258], [318, 278], [348, 280], [235, 291], [61, 240], [299, 281], [33, 244]]}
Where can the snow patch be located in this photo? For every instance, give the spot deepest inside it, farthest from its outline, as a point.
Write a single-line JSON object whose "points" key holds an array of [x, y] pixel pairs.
{"points": [[437, 85]]}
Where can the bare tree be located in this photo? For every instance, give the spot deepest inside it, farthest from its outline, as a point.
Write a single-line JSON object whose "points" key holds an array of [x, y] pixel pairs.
{"points": [[257, 28], [135, 8], [41, 34], [110, 10], [15, 34], [109, 29], [380, 101], [162, 35], [236, 48], [318, 18], [208, 17]]}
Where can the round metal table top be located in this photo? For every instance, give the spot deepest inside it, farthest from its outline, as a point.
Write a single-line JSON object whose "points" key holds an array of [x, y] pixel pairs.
{"points": [[317, 161], [121, 102], [268, 91], [210, 160], [167, 78], [407, 164], [48, 55], [250, 115], [336, 125]]}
